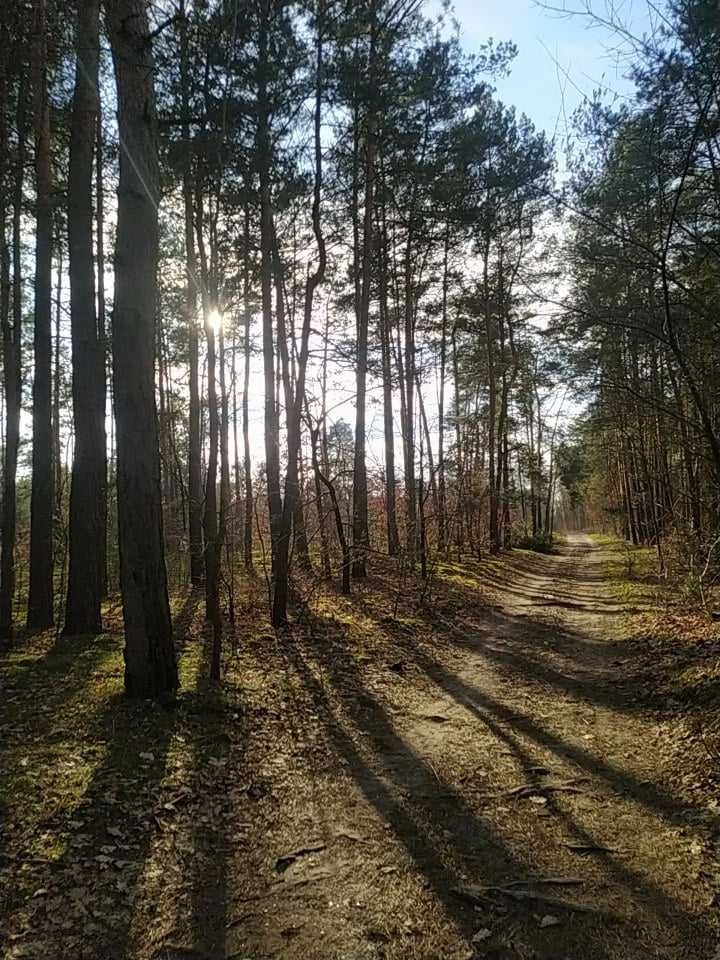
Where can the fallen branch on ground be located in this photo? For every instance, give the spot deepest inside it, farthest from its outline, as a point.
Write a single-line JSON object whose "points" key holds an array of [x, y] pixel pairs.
{"points": [[511, 891]]}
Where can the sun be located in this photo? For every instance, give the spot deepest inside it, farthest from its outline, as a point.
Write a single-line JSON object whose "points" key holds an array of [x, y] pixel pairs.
{"points": [[215, 320]]}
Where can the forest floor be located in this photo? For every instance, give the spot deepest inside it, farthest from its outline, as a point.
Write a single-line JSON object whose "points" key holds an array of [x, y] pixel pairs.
{"points": [[522, 761]]}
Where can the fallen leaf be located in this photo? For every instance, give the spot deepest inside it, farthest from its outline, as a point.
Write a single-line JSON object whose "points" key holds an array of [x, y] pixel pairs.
{"points": [[287, 859], [549, 921], [588, 848]]}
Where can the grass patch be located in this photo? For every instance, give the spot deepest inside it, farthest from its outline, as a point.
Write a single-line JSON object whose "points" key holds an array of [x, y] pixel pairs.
{"points": [[631, 571]]}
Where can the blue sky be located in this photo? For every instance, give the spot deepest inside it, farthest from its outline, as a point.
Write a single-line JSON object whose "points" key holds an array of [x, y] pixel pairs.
{"points": [[559, 59]]}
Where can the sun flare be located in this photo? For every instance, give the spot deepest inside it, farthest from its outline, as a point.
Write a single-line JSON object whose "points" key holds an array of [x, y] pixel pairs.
{"points": [[215, 320]]}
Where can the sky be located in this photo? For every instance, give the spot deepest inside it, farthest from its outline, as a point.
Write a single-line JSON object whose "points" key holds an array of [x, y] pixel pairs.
{"points": [[561, 59]]}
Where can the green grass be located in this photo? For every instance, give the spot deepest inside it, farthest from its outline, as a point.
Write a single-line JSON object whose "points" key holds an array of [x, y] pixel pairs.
{"points": [[631, 571]]}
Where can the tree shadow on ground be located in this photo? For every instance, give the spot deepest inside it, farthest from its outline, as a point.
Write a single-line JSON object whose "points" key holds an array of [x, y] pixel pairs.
{"points": [[48, 689], [526, 646], [96, 856], [191, 875], [101, 845], [443, 835], [217, 749], [507, 726], [517, 660]]}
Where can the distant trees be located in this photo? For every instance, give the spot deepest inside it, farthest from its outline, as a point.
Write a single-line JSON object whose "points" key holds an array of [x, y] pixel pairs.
{"points": [[646, 212]]}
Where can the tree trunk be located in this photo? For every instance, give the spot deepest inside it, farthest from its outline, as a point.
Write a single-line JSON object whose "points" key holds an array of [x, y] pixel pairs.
{"points": [[247, 465], [57, 381], [102, 328], [361, 539], [459, 480], [197, 564], [150, 665], [12, 381], [393, 537], [86, 578], [442, 521], [40, 614], [493, 526], [272, 424], [409, 431]]}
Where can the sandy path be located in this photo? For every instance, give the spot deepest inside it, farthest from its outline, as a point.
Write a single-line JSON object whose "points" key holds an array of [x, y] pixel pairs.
{"points": [[507, 750]]}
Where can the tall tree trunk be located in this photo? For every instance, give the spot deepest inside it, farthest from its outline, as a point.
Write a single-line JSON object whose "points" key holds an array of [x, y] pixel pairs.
{"points": [[211, 527], [87, 489], [237, 519], [150, 665], [12, 381], [195, 506], [314, 440], [57, 381], [40, 613], [272, 424], [247, 464], [460, 479], [295, 392], [361, 537], [210, 515], [409, 431], [493, 527], [393, 537], [224, 498], [442, 518], [102, 327]]}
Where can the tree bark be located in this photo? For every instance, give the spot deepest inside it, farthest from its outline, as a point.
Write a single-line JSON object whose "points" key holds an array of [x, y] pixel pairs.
{"points": [[12, 370], [197, 564], [272, 424], [393, 537], [442, 517], [361, 538], [86, 577], [150, 665], [101, 322], [247, 464], [40, 613]]}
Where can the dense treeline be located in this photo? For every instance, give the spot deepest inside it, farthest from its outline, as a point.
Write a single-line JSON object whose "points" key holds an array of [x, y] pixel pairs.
{"points": [[644, 252], [331, 190]]}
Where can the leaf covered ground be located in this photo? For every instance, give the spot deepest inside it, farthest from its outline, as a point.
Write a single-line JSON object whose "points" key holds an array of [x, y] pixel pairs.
{"points": [[514, 762]]}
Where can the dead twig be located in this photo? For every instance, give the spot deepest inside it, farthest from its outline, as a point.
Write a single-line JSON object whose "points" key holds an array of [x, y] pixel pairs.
{"points": [[531, 790], [513, 890]]}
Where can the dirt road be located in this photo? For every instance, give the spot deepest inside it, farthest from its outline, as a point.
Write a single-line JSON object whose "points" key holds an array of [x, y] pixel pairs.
{"points": [[494, 791]]}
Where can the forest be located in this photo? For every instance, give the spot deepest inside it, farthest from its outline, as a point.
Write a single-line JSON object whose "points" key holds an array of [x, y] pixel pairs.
{"points": [[360, 485]]}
